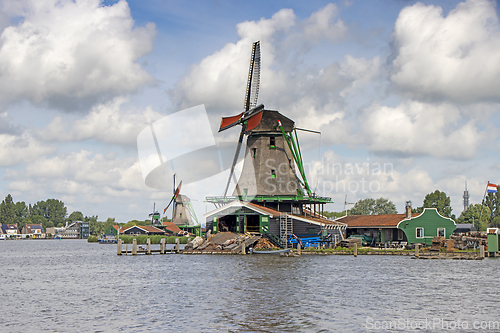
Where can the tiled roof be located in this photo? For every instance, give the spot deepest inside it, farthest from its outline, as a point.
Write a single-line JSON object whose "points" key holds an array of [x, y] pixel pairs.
{"points": [[372, 221], [150, 228], [171, 227]]}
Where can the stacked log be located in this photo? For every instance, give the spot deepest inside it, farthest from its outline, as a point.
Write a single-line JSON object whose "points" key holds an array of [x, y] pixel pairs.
{"points": [[437, 243], [469, 240], [450, 245], [264, 243], [211, 243]]}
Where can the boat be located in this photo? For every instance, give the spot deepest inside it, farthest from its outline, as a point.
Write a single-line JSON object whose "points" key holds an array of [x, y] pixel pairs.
{"points": [[2, 237], [107, 239], [282, 251]]}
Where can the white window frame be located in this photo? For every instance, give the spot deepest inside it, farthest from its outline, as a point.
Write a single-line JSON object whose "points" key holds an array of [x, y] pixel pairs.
{"points": [[416, 232], [444, 232]]}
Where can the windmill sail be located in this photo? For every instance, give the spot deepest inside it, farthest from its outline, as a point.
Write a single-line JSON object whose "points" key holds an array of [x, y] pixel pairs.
{"points": [[252, 92], [251, 96]]}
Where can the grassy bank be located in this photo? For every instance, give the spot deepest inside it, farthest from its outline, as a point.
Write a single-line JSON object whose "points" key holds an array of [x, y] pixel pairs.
{"points": [[155, 239]]}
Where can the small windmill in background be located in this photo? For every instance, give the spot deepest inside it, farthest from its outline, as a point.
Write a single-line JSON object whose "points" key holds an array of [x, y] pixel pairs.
{"points": [[182, 211], [347, 203]]}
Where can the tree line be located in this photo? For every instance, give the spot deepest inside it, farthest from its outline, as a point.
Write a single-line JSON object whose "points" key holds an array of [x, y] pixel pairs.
{"points": [[480, 215], [53, 213]]}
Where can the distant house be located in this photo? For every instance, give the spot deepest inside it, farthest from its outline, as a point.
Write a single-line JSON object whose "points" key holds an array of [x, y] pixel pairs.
{"points": [[143, 230], [33, 231], [424, 227], [381, 228], [10, 230], [113, 230]]}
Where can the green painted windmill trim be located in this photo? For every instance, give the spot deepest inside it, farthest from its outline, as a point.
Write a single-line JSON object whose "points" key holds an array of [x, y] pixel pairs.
{"points": [[296, 156]]}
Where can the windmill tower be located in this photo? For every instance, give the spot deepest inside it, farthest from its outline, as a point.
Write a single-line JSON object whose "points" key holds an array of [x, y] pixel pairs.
{"points": [[272, 153]]}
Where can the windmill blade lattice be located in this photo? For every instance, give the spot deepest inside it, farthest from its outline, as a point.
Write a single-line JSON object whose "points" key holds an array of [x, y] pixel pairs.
{"points": [[249, 106]]}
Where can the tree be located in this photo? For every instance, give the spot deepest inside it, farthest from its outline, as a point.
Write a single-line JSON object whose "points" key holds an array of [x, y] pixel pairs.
{"points": [[7, 210], [471, 215], [438, 200], [325, 213], [492, 201], [52, 209], [37, 219], [384, 206], [75, 216], [373, 207], [94, 227], [20, 214]]}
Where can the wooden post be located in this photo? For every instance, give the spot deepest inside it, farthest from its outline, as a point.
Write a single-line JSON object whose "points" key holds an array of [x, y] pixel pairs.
{"points": [[176, 246], [243, 248], [162, 246], [119, 247], [134, 247], [481, 251], [416, 250], [355, 249], [148, 246], [298, 249]]}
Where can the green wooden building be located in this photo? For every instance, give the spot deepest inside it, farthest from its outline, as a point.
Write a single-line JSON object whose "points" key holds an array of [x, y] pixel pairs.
{"points": [[424, 227]]}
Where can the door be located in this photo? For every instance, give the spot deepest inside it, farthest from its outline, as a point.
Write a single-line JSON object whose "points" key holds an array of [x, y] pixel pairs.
{"points": [[264, 224]]}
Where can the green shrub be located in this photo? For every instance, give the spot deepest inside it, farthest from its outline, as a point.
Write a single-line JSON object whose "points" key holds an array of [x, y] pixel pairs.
{"points": [[92, 239]]}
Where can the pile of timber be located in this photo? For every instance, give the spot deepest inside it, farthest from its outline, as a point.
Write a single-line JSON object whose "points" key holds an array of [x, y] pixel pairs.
{"points": [[438, 243], [223, 242], [264, 243], [469, 240]]}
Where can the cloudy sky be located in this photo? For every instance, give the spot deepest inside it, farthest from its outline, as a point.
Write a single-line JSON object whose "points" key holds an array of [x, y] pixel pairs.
{"points": [[405, 94]]}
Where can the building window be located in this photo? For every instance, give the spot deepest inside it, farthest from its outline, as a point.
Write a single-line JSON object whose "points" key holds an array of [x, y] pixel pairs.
{"points": [[420, 232], [441, 232], [272, 142], [273, 174]]}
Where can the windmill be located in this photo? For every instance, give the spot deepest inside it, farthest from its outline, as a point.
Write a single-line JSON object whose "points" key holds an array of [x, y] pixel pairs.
{"points": [[182, 213], [155, 216]]}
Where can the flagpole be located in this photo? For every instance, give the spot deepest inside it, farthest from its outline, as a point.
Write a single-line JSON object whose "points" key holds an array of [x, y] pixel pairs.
{"points": [[482, 203]]}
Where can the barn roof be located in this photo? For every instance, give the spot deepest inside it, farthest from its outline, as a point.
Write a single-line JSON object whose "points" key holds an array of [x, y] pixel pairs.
{"points": [[372, 221]]}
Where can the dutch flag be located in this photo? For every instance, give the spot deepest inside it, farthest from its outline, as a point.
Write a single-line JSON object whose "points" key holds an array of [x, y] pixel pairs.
{"points": [[492, 188]]}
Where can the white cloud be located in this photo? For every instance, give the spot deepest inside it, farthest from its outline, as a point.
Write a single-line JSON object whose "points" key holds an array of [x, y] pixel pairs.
{"points": [[219, 80], [15, 149], [335, 176], [453, 57], [325, 24], [71, 54], [314, 98], [107, 123], [415, 128]]}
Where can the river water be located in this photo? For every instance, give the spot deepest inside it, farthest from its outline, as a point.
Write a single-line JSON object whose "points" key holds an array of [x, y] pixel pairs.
{"points": [[74, 286]]}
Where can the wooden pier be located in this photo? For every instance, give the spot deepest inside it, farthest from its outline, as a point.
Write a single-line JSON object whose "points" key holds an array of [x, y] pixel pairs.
{"points": [[147, 250]]}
